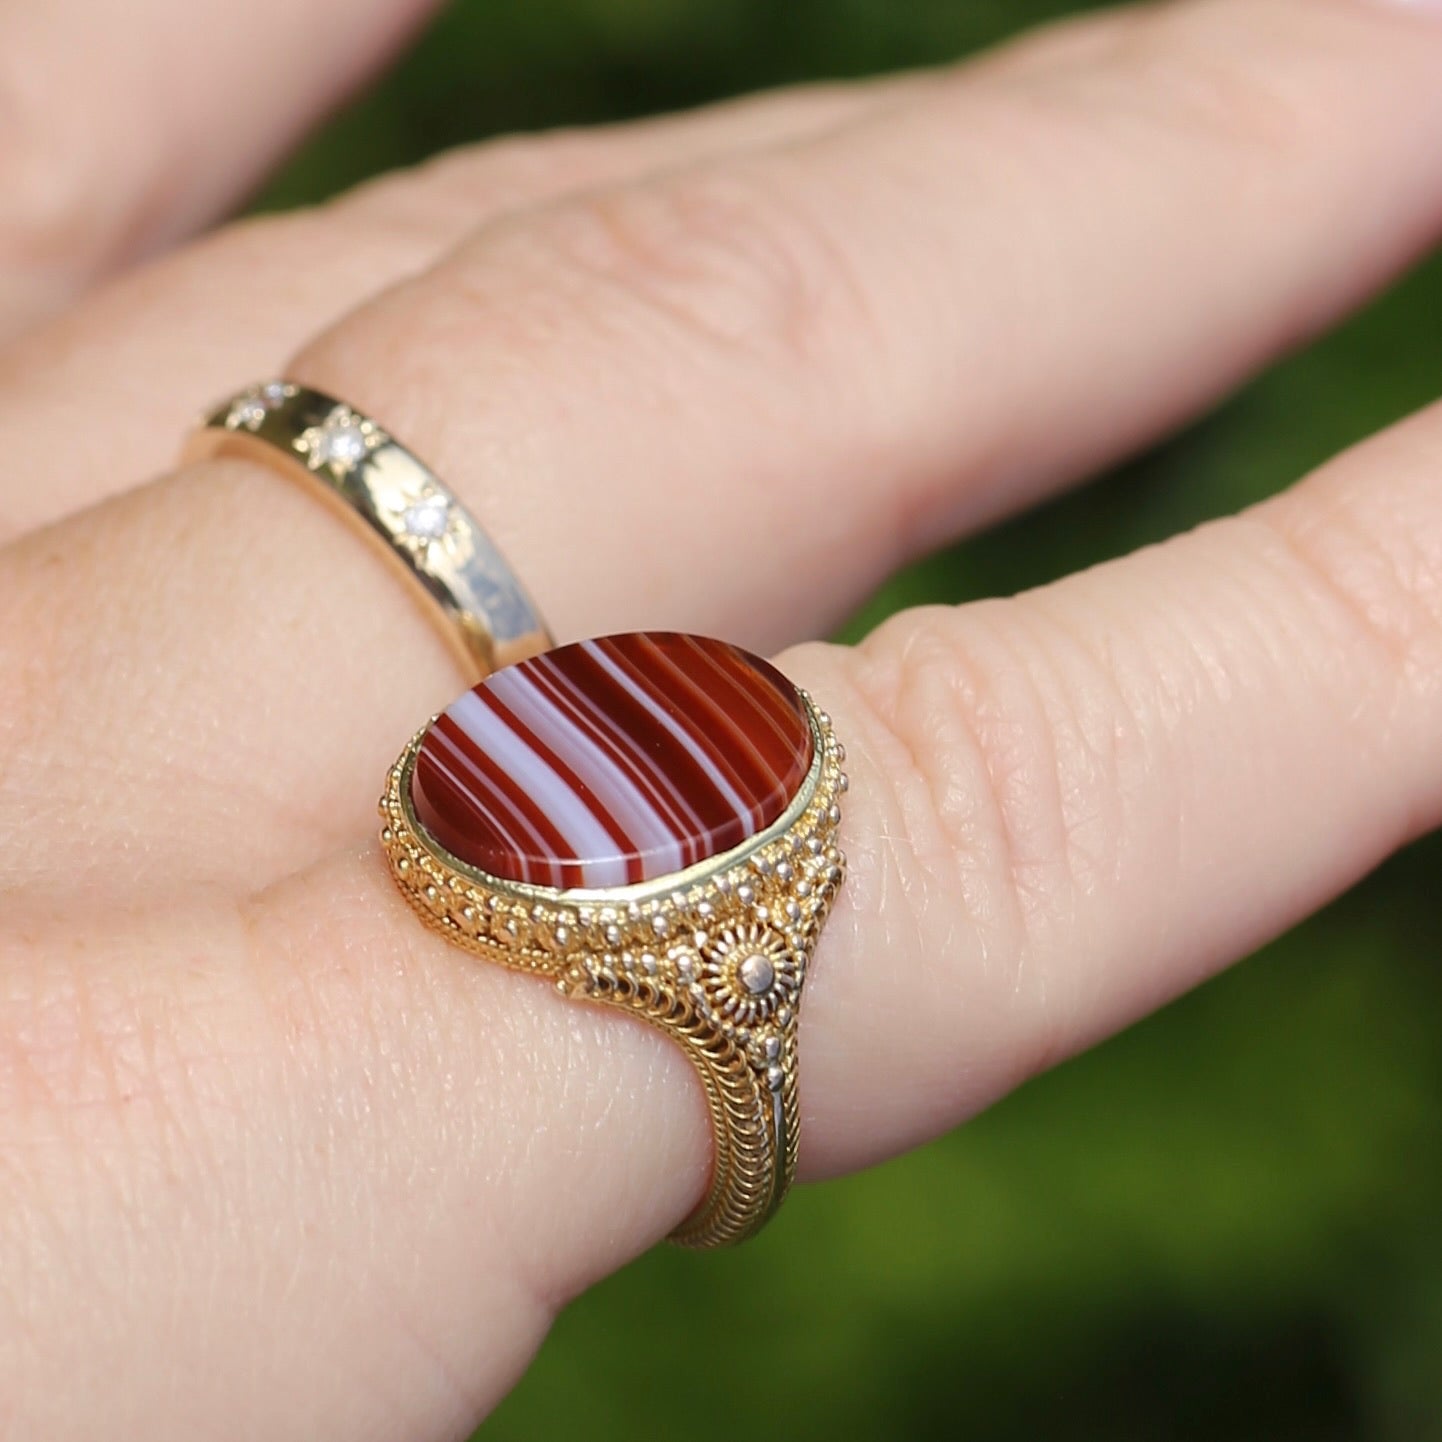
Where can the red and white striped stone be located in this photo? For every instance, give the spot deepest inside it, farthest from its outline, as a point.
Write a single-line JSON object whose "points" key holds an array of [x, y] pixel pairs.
{"points": [[615, 761]]}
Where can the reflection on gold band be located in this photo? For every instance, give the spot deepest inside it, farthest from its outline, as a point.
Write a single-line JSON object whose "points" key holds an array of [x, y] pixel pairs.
{"points": [[399, 502]]}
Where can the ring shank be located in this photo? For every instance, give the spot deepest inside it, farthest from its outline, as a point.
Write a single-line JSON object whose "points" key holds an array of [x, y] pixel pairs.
{"points": [[394, 499]]}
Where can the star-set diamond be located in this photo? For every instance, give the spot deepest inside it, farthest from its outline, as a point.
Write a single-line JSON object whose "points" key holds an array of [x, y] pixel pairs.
{"points": [[341, 441], [249, 410], [427, 519]]}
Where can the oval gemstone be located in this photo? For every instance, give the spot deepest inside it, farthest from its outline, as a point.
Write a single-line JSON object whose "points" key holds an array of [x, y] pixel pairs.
{"points": [[612, 761]]}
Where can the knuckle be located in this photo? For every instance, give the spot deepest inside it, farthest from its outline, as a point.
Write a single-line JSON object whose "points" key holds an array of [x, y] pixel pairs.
{"points": [[59, 215], [1210, 86], [497, 175], [1372, 557], [1040, 53], [48, 220], [718, 253], [1168, 72], [251, 244], [1009, 748], [36, 205]]}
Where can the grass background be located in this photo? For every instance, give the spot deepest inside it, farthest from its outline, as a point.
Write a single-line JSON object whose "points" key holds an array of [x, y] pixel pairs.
{"points": [[1222, 1226]]}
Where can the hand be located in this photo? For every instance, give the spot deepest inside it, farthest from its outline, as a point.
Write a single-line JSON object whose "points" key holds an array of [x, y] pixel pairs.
{"points": [[276, 1162]]}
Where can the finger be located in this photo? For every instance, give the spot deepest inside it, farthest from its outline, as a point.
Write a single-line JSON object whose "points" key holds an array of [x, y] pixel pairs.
{"points": [[1065, 809], [186, 1083], [185, 108], [897, 331], [1263, 152], [820, 377], [138, 360], [1073, 806]]}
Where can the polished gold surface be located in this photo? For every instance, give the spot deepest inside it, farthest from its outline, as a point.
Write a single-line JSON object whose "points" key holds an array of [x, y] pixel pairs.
{"points": [[686, 953], [398, 502]]}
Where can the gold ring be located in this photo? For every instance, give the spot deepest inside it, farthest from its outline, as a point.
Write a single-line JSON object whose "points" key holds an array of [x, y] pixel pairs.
{"points": [[399, 502], [649, 822]]}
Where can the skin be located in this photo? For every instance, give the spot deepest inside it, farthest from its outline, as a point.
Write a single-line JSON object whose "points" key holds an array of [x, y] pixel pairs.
{"points": [[274, 1161]]}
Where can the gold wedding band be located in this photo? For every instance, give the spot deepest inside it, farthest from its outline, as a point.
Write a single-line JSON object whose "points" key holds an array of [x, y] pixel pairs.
{"points": [[649, 822], [399, 502]]}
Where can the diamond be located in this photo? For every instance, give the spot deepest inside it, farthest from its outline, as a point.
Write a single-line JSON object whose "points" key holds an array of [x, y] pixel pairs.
{"points": [[344, 444], [342, 441], [428, 519], [248, 411]]}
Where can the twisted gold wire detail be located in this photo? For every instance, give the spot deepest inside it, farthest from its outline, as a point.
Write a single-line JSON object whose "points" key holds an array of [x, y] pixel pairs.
{"points": [[665, 951]]}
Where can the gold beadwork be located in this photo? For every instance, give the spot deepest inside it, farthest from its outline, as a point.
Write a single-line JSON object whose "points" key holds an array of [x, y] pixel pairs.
{"points": [[715, 956]]}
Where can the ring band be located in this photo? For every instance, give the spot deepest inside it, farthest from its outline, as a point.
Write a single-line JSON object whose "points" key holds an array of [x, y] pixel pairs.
{"points": [[400, 502], [649, 822]]}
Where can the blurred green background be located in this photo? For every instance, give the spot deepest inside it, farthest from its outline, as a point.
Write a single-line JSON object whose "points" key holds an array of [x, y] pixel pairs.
{"points": [[1222, 1225]]}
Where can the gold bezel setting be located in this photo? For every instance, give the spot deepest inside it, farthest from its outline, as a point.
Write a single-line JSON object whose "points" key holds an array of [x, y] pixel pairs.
{"points": [[716, 956]]}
